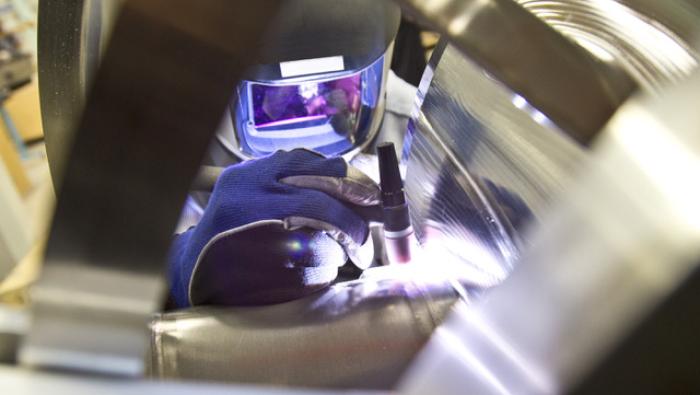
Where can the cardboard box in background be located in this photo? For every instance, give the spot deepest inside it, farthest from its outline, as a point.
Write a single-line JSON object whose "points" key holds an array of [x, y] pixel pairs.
{"points": [[12, 162], [23, 106]]}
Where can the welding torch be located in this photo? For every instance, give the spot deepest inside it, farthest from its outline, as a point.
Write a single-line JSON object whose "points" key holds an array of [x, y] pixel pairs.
{"points": [[398, 232]]}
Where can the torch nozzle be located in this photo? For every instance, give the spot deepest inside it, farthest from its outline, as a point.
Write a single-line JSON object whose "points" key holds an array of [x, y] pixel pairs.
{"points": [[398, 233]]}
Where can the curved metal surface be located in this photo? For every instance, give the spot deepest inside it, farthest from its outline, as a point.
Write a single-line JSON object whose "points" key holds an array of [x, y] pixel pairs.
{"points": [[624, 235], [72, 34], [360, 334], [680, 16], [651, 53], [482, 166], [531, 59]]}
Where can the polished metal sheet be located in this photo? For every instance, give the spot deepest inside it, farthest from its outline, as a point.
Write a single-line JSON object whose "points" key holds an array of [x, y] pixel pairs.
{"points": [[621, 240], [482, 166], [483, 162]]}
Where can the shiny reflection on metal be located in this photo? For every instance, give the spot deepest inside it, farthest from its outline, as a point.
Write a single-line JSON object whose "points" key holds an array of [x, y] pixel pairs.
{"points": [[532, 59], [648, 51], [359, 334], [623, 236], [33, 382], [482, 166], [680, 16], [90, 319], [128, 174]]}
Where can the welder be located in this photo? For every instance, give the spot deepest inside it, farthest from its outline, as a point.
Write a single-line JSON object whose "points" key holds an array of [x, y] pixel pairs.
{"points": [[287, 210]]}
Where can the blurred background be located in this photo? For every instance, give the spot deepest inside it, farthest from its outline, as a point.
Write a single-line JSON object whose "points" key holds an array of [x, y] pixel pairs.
{"points": [[26, 192]]}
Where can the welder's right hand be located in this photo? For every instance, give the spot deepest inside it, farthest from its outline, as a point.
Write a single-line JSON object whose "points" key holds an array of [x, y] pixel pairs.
{"points": [[275, 229]]}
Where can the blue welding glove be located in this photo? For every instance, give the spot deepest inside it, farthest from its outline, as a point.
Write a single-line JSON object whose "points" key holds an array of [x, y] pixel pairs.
{"points": [[275, 229]]}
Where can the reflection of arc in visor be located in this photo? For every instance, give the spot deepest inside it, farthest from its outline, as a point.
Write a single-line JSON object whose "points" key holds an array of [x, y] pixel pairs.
{"points": [[275, 103], [270, 140], [290, 121], [330, 114]]}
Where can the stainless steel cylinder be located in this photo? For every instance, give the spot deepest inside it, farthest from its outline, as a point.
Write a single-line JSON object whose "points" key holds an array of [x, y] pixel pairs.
{"points": [[360, 334]]}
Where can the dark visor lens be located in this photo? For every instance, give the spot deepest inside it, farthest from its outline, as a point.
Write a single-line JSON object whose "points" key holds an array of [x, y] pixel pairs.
{"points": [[280, 104]]}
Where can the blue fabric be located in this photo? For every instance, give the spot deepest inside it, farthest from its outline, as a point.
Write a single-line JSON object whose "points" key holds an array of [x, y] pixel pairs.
{"points": [[251, 191]]}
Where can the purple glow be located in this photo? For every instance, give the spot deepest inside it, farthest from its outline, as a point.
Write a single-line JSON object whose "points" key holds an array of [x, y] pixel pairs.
{"points": [[273, 104], [291, 120], [330, 113]]}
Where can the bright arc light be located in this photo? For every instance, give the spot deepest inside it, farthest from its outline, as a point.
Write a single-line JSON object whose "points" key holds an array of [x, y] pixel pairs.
{"points": [[308, 90], [519, 102]]}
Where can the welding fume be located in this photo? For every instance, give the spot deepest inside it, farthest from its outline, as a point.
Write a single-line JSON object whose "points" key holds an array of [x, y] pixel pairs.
{"points": [[290, 194]]}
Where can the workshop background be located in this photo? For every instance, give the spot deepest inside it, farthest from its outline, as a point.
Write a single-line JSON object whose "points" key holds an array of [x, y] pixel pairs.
{"points": [[26, 193]]}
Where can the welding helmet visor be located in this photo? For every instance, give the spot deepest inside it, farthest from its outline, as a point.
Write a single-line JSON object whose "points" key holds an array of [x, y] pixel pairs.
{"points": [[332, 113], [317, 82]]}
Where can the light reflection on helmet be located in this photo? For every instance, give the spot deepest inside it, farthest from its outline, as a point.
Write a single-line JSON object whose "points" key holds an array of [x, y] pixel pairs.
{"points": [[320, 81], [331, 114]]}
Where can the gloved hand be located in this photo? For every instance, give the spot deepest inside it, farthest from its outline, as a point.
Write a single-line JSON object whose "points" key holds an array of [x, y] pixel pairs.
{"points": [[274, 229]]}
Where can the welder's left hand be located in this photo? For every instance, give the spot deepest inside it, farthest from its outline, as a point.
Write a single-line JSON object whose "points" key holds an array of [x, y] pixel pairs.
{"points": [[275, 228]]}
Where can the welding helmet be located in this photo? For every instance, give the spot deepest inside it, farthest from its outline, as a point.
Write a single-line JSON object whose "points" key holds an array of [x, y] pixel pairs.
{"points": [[318, 82]]}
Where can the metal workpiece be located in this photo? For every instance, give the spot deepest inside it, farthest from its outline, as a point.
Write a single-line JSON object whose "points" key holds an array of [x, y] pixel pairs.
{"points": [[90, 319], [485, 163], [160, 92], [71, 36], [359, 334], [679, 16], [574, 89], [483, 166], [647, 48], [622, 238], [21, 382]]}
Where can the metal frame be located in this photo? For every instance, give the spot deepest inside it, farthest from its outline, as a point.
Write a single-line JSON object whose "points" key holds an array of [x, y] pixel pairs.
{"points": [[117, 206], [104, 260]]}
